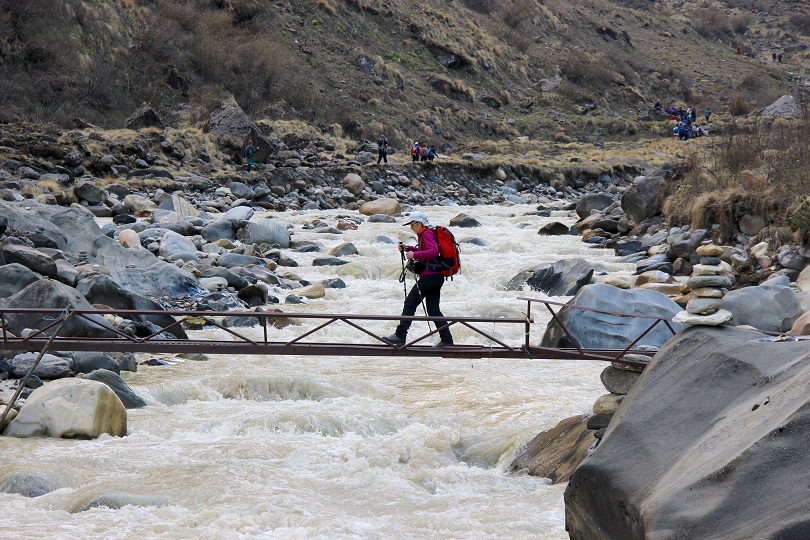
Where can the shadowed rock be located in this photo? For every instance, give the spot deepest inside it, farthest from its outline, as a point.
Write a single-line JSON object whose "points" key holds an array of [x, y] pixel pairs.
{"points": [[733, 463], [563, 278], [47, 293], [74, 231], [556, 453], [100, 289]]}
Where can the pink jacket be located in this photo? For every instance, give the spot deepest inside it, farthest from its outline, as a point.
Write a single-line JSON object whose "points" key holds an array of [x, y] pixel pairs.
{"points": [[427, 250]]}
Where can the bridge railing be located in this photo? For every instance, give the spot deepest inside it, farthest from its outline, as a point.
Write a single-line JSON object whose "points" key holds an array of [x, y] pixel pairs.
{"points": [[619, 354], [116, 340], [46, 320]]}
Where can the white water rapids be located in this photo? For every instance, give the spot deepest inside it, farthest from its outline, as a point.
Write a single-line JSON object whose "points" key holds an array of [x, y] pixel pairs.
{"points": [[333, 447]]}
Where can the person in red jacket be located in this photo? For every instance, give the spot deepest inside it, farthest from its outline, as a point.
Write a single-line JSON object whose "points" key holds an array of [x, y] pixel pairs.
{"points": [[428, 284]]}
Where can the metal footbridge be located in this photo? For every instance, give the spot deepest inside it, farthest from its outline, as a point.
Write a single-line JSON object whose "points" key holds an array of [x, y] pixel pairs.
{"points": [[48, 335]]}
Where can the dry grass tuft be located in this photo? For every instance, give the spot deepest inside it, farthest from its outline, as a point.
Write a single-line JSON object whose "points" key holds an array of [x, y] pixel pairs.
{"points": [[327, 6]]}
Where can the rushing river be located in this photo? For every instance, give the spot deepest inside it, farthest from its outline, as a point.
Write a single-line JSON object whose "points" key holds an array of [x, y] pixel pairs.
{"points": [[332, 447]]}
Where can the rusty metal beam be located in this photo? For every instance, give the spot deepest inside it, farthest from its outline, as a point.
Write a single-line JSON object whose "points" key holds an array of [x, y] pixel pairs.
{"points": [[241, 344]]}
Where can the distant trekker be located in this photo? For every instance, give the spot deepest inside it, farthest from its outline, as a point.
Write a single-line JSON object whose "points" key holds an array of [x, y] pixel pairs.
{"points": [[708, 113], [248, 152], [431, 153], [382, 150], [415, 151]]}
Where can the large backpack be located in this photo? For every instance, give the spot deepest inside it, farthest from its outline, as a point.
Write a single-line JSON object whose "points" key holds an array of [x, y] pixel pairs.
{"points": [[449, 260]]}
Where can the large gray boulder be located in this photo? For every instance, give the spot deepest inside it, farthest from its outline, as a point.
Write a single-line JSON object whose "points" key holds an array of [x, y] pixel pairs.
{"points": [[47, 293], [74, 231], [101, 289], [218, 230], [562, 278], [70, 408], [29, 257], [592, 201], [269, 231], [88, 191], [786, 106], [644, 198], [238, 214], [14, 278], [711, 444], [174, 244], [772, 306], [49, 367], [596, 330]]}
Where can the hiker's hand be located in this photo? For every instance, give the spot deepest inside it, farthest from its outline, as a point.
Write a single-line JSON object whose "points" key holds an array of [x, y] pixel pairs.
{"points": [[401, 246], [409, 254]]}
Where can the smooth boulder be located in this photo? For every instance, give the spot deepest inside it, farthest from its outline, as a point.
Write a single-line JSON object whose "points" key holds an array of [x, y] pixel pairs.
{"points": [[128, 397], [70, 408], [14, 278], [101, 289], [771, 307], [597, 330], [269, 231], [381, 206]]}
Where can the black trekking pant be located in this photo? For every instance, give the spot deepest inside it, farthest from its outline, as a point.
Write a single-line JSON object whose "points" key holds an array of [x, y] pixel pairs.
{"points": [[383, 156], [430, 287]]}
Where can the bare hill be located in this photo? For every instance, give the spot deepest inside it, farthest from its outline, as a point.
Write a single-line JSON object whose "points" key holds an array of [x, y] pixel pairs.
{"points": [[451, 71]]}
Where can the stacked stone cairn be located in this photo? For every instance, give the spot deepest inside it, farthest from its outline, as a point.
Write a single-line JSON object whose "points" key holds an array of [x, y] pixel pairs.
{"points": [[707, 285], [618, 379]]}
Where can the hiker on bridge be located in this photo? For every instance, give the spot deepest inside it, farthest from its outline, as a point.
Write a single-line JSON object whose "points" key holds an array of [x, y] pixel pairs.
{"points": [[429, 281]]}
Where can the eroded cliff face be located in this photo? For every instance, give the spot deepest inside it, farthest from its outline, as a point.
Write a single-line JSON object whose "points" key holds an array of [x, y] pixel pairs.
{"points": [[712, 442]]}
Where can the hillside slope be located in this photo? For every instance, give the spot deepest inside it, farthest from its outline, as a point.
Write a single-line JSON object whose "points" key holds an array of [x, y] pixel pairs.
{"points": [[451, 71]]}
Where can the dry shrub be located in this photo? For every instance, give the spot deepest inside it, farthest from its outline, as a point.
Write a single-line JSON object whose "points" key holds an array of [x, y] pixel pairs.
{"points": [[63, 196], [801, 22], [385, 70], [712, 24], [775, 237], [327, 6], [585, 70], [482, 6], [31, 191], [740, 23], [703, 210]]}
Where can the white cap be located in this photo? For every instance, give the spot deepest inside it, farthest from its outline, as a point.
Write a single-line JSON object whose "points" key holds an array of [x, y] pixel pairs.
{"points": [[418, 216]]}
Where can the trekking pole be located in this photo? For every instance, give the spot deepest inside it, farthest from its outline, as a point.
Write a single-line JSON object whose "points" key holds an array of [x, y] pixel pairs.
{"points": [[422, 300], [416, 281], [402, 275]]}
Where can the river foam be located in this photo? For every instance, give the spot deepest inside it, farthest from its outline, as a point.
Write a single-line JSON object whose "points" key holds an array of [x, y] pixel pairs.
{"points": [[332, 447]]}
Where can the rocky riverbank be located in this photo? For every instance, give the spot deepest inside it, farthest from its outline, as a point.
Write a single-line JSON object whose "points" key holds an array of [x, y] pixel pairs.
{"points": [[181, 231]]}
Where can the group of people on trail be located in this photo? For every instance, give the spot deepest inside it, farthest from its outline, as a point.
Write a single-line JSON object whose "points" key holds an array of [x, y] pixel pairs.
{"points": [[687, 126], [418, 152], [684, 131], [683, 115], [423, 152]]}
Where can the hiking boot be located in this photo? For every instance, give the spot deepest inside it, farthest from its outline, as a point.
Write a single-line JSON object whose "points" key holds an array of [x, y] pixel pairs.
{"points": [[394, 340], [443, 344]]}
